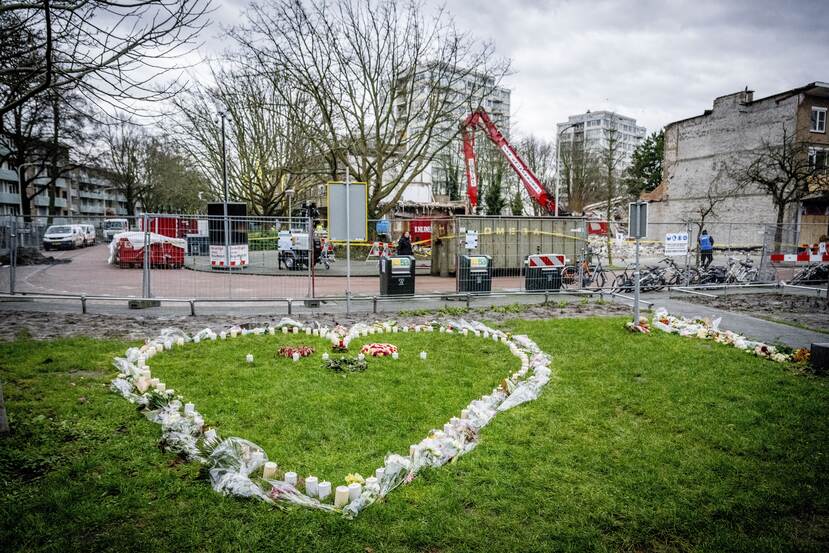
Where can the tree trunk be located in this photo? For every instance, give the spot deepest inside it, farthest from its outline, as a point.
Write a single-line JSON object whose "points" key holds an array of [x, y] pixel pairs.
{"points": [[4, 422], [778, 229]]}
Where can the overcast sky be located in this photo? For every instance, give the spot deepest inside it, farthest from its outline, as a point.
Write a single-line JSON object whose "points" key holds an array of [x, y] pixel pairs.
{"points": [[657, 61]]}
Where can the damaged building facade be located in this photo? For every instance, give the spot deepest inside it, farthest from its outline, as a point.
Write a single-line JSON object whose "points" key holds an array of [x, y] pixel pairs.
{"points": [[702, 152]]}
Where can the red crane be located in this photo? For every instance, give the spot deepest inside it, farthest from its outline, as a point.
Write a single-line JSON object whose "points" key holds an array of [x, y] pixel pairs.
{"points": [[477, 118]]}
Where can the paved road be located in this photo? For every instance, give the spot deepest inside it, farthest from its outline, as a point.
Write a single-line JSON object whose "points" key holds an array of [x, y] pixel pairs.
{"points": [[89, 273]]}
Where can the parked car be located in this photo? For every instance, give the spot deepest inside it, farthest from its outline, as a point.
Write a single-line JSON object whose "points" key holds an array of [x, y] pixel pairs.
{"points": [[88, 235], [115, 226], [60, 237]]}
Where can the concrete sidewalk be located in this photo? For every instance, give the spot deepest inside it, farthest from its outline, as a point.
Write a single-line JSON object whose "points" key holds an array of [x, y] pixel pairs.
{"points": [[751, 327]]}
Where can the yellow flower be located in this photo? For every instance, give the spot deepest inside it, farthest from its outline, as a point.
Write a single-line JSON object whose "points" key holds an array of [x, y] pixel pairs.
{"points": [[355, 478]]}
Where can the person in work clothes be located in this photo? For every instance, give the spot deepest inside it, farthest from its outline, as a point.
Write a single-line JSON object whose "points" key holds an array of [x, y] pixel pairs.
{"points": [[706, 249], [404, 245]]}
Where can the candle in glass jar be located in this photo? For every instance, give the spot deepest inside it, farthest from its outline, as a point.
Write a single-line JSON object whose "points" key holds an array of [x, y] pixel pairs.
{"points": [[395, 355], [341, 496], [198, 421], [269, 470], [465, 414], [189, 409], [271, 330], [161, 387], [423, 355], [296, 330], [311, 486], [284, 330], [325, 356], [324, 490], [140, 362], [210, 435], [223, 335], [442, 329], [371, 483], [180, 341], [412, 450], [295, 356], [307, 330], [290, 478], [379, 473], [354, 491], [466, 332], [361, 357], [196, 339], [233, 332], [249, 358]]}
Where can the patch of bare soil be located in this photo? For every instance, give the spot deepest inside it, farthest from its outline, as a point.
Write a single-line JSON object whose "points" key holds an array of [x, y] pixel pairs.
{"points": [[807, 311], [59, 325]]}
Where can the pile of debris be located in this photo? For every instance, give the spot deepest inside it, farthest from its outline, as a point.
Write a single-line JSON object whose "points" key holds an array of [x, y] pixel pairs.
{"points": [[624, 251], [30, 256]]}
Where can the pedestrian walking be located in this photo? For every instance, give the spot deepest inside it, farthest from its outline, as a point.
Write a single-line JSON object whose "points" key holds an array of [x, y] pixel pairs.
{"points": [[706, 249], [404, 245]]}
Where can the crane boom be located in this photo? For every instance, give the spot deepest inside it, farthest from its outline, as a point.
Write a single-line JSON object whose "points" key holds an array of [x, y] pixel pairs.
{"points": [[477, 118]]}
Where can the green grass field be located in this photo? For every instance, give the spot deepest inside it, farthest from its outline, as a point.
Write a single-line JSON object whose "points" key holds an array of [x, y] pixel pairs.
{"points": [[639, 443]]}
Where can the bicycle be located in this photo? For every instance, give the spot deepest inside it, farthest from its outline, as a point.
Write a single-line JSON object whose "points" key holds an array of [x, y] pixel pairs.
{"points": [[591, 274]]}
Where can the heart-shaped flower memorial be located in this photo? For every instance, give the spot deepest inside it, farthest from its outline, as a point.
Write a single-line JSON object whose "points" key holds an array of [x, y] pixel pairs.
{"points": [[240, 467]]}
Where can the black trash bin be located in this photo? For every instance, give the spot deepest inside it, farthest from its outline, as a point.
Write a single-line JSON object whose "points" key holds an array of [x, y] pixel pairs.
{"points": [[475, 273], [543, 272], [397, 275]]}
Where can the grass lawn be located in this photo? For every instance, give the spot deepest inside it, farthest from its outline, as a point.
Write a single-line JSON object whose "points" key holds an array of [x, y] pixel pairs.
{"points": [[640, 443]]}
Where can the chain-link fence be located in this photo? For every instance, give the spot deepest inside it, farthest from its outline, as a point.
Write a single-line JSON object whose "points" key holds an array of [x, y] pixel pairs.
{"points": [[201, 257]]}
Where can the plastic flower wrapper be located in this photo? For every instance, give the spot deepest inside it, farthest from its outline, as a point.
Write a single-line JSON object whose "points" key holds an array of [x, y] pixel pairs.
{"points": [[282, 492], [205, 334]]}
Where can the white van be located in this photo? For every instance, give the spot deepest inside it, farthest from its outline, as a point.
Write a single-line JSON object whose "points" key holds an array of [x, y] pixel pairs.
{"points": [[115, 226], [88, 234], [58, 237]]}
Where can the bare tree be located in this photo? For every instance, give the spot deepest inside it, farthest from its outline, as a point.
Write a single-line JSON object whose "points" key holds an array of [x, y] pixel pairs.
{"points": [[113, 50], [126, 148], [268, 150], [390, 84], [610, 157], [719, 189], [784, 168], [540, 155], [579, 173]]}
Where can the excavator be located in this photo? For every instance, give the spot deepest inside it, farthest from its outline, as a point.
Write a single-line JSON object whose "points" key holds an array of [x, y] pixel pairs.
{"points": [[480, 118]]}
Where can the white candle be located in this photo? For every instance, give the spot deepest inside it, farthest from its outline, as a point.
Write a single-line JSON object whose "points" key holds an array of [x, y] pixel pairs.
{"points": [[395, 329], [311, 486], [153, 381], [365, 332], [271, 330], [412, 450], [296, 330], [405, 329], [233, 332], [379, 473], [423, 355], [168, 344], [180, 341], [395, 355], [189, 408], [161, 387], [210, 435], [447, 428], [159, 348], [465, 414], [290, 478], [284, 330], [315, 332], [223, 335], [249, 358], [212, 336], [354, 491], [442, 329], [341, 496], [269, 470], [325, 356], [296, 356], [361, 357], [140, 362], [371, 483], [198, 421], [417, 329], [196, 339], [324, 489], [307, 330], [466, 332]]}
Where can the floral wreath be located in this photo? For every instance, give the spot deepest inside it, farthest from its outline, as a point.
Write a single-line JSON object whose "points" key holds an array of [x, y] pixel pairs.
{"points": [[241, 468]]}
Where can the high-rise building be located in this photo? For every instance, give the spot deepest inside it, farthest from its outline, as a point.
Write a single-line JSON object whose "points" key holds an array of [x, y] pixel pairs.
{"points": [[595, 129]]}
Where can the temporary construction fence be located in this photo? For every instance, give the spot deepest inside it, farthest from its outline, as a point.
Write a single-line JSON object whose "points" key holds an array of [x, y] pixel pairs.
{"points": [[185, 256]]}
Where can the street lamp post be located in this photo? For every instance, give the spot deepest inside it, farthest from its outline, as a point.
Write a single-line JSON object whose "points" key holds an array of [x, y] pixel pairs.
{"points": [[224, 185], [290, 195], [558, 161]]}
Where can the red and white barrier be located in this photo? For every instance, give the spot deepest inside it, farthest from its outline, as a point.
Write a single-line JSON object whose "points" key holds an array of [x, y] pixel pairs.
{"points": [[803, 258], [545, 261]]}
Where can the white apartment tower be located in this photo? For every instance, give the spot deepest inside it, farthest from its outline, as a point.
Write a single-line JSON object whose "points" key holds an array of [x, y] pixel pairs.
{"points": [[594, 128]]}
